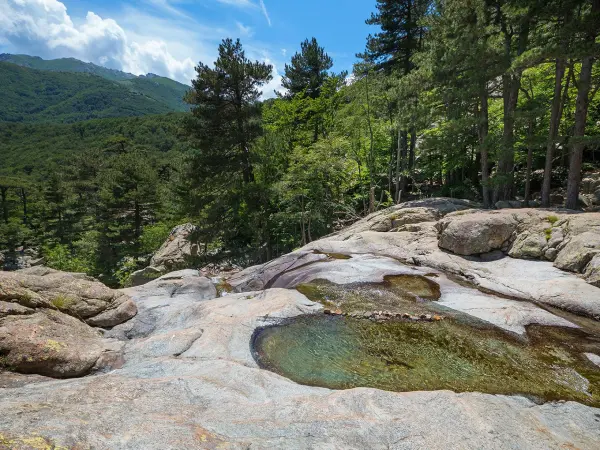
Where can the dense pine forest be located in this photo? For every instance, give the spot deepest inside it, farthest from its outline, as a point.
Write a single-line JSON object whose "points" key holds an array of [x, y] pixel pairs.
{"points": [[490, 100]]}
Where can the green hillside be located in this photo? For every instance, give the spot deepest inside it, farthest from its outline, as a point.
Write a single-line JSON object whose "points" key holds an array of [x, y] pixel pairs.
{"points": [[65, 65], [29, 148], [35, 96], [160, 89]]}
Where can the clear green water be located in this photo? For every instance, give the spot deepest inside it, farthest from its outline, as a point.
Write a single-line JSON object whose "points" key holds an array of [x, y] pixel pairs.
{"points": [[459, 353]]}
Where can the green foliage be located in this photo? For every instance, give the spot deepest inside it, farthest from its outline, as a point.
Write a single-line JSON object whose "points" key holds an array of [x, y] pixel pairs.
{"points": [[308, 70], [153, 236], [125, 268], [80, 257]]}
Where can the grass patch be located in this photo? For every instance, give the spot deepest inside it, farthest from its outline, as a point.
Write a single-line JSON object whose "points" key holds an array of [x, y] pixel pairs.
{"points": [[62, 302], [552, 219], [548, 232]]}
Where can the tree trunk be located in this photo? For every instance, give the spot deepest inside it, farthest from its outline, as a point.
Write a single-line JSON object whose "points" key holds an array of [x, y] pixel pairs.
{"points": [[138, 220], [411, 152], [24, 201], [302, 226], [553, 132], [372, 200], [581, 110], [484, 126], [511, 86], [398, 166], [403, 149], [529, 164], [3, 192]]}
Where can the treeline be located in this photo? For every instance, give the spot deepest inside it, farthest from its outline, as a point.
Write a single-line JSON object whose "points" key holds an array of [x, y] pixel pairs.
{"points": [[489, 100], [480, 99], [93, 197]]}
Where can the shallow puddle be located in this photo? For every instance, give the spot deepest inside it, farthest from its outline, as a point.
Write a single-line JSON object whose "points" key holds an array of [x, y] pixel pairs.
{"points": [[460, 353]]}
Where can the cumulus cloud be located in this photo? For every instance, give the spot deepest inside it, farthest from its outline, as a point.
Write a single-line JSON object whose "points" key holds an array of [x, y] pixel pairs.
{"points": [[44, 28]]}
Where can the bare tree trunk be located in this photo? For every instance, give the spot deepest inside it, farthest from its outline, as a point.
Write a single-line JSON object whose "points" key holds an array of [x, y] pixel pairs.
{"points": [[484, 126], [553, 132], [371, 151], [398, 166], [530, 132], [411, 152], [3, 192], [581, 110], [506, 161], [302, 226]]}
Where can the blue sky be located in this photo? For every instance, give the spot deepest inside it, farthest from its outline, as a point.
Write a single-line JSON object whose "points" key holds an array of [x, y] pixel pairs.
{"points": [[169, 37]]}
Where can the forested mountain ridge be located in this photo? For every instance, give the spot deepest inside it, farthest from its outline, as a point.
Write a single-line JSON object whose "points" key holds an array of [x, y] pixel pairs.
{"points": [[159, 88], [65, 65], [51, 96]]}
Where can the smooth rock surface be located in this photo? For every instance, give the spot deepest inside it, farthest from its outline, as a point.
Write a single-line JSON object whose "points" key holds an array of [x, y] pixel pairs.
{"points": [[190, 381]]}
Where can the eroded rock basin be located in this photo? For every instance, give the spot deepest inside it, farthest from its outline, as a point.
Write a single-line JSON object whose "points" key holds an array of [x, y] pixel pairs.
{"points": [[396, 351]]}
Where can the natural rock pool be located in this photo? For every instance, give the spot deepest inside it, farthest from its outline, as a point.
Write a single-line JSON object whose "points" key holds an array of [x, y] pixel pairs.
{"points": [[459, 353]]}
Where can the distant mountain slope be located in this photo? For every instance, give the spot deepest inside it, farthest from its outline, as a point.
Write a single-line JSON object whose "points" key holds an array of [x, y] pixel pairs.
{"points": [[30, 95], [65, 65], [160, 89]]}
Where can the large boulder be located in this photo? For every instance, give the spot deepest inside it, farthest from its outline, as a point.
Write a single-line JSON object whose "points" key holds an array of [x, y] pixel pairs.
{"points": [[529, 245], [46, 319], [417, 211], [578, 252], [477, 232], [592, 271], [48, 343], [77, 295], [177, 250]]}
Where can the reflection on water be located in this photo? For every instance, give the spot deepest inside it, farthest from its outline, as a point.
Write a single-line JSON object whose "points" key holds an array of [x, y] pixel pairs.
{"points": [[459, 353]]}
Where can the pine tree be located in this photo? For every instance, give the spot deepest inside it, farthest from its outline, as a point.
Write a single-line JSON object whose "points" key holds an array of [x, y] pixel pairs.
{"points": [[308, 70], [402, 33], [226, 113]]}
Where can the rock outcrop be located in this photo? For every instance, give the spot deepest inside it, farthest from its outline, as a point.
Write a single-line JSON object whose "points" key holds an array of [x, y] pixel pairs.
{"points": [[189, 369], [50, 343], [46, 320], [176, 253], [185, 362], [77, 295]]}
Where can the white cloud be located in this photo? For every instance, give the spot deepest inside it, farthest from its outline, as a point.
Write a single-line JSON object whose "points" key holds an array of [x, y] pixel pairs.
{"points": [[140, 43], [269, 90], [265, 12], [239, 3], [244, 30], [44, 28]]}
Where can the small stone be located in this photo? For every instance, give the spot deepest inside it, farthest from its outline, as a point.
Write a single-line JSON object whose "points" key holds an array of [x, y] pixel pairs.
{"points": [[327, 311], [437, 318]]}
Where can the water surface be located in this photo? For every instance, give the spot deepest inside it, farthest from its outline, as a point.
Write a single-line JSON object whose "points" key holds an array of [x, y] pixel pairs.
{"points": [[460, 353]]}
